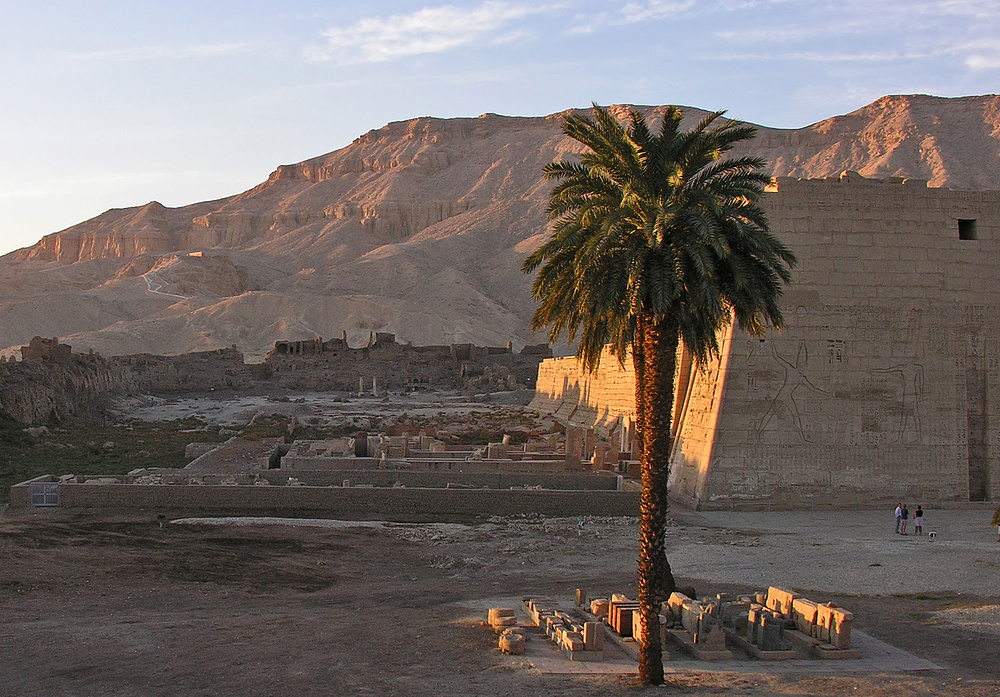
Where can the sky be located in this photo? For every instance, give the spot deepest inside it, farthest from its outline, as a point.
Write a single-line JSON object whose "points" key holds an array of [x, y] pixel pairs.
{"points": [[109, 104]]}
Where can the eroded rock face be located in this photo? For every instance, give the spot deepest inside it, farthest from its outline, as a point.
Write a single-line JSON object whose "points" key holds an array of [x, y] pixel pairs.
{"points": [[417, 228], [406, 176], [42, 391], [188, 275], [52, 389]]}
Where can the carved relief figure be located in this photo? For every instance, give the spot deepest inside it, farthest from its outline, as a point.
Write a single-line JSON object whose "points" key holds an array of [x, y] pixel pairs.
{"points": [[911, 376], [793, 388]]}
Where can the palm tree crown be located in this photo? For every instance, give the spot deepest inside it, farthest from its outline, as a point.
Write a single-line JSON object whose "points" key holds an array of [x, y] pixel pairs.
{"points": [[656, 225]]}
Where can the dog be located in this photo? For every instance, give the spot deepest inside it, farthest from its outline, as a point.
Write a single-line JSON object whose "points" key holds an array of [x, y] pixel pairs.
{"points": [[932, 534]]}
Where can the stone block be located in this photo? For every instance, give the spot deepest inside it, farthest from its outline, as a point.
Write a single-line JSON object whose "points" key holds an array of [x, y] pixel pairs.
{"points": [[496, 451], [729, 612], [804, 615], [824, 621], [620, 615], [497, 612], [552, 628], [599, 607], [840, 628], [691, 614], [573, 642], [676, 602], [754, 620], [581, 597], [780, 600], [772, 636], [512, 643], [593, 636], [711, 637]]}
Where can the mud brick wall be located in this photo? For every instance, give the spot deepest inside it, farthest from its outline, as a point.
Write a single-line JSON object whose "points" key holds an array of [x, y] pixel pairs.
{"points": [[884, 384], [333, 501]]}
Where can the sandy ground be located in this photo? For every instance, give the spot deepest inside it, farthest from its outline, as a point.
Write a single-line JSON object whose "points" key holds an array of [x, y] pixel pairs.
{"points": [[124, 607], [850, 552]]}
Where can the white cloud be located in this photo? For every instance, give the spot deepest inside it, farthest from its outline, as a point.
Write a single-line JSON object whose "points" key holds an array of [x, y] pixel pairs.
{"points": [[654, 9], [832, 56], [982, 55], [979, 62], [970, 8], [430, 30]]}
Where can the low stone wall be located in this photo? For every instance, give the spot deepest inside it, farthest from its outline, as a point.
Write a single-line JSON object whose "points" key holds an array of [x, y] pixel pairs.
{"points": [[294, 464], [331, 501], [440, 480], [20, 494]]}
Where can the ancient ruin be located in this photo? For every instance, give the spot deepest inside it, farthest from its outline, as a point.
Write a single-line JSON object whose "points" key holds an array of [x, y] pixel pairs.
{"points": [[382, 363], [416, 474], [772, 625], [881, 386], [51, 383]]}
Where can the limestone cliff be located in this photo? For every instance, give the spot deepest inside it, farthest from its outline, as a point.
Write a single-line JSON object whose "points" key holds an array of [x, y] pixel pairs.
{"points": [[417, 228]]}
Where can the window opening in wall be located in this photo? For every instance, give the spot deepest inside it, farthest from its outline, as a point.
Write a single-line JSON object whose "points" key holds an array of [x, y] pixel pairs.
{"points": [[967, 229]]}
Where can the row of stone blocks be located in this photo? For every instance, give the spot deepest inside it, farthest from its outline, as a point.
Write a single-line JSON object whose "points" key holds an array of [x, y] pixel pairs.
{"points": [[695, 626], [825, 629], [775, 625], [580, 641], [768, 624], [685, 623]]}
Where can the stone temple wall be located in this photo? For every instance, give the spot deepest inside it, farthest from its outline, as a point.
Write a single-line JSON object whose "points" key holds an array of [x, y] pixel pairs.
{"points": [[884, 385], [604, 401]]}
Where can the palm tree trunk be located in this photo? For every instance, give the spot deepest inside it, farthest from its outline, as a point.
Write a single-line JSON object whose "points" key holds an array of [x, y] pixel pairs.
{"points": [[654, 360]]}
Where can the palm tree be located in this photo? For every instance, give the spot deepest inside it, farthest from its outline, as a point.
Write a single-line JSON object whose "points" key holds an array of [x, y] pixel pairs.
{"points": [[656, 240]]}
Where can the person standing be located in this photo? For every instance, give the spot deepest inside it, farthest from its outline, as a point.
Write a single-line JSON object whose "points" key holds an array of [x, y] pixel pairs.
{"points": [[918, 521], [899, 516], [906, 517]]}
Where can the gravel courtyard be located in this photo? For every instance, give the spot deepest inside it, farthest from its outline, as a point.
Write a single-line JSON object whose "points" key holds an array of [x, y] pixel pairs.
{"points": [[93, 606]]}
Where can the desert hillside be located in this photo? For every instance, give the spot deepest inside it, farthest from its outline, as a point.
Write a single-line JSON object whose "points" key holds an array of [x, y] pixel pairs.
{"points": [[417, 228]]}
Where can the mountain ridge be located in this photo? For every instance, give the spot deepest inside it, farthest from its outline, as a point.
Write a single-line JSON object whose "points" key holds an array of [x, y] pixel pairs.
{"points": [[351, 239]]}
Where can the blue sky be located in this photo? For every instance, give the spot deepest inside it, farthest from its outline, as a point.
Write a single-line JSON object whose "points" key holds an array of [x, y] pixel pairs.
{"points": [[113, 104]]}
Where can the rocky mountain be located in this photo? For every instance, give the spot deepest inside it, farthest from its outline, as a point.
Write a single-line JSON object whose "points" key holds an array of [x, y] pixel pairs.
{"points": [[418, 228]]}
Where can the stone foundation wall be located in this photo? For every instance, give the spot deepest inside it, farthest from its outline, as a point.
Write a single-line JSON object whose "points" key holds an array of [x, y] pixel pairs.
{"points": [[331, 501], [603, 400]]}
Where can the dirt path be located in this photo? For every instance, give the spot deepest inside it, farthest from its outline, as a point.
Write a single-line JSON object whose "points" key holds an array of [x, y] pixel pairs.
{"points": [[103, 607]]}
